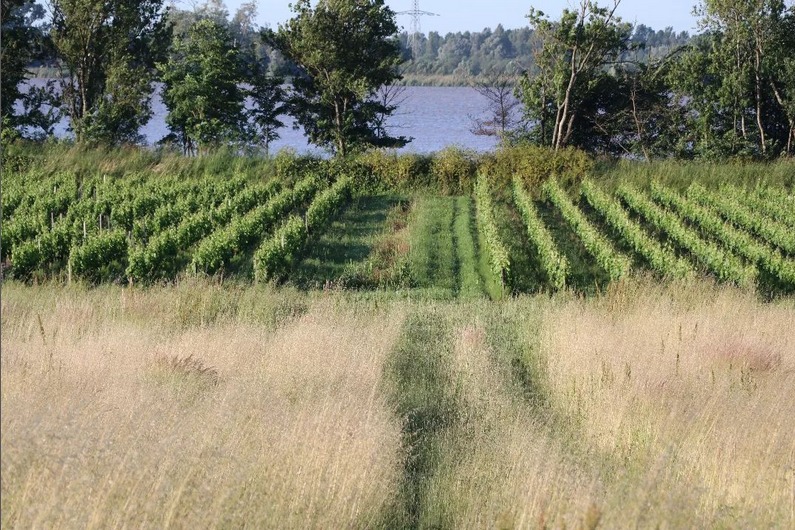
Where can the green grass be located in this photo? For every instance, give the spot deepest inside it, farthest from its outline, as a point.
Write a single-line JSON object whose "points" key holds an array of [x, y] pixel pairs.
{"points": [[423, 394], [680, 174], [432, 258], [348, 242], [470, 283]]}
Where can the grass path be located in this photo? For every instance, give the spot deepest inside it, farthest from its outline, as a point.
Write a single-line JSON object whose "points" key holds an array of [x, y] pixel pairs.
{"points": [[349, 240], [423, 396]]}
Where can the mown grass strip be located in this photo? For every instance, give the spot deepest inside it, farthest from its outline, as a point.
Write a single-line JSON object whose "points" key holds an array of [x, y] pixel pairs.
{"points": [[432, 259], [423, 395], [470, 284]]}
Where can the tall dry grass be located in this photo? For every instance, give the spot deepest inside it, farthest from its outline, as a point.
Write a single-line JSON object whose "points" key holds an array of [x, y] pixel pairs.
{"points": [[500, 467], [113, 415], [686, 397], [200, 405]]}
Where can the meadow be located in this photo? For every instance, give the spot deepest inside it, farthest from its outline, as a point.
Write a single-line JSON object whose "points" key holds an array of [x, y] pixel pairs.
{"points": [[514, 340]]}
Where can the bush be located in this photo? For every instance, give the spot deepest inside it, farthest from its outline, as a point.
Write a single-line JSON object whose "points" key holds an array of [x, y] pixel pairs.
{"points": [[534, 165], [392, 171], [454, 170]]}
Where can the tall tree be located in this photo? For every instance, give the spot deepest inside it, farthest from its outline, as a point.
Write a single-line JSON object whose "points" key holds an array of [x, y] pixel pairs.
{"points": [[572, 52], [202, 88], [23, 40], [345, 50], [109, 48], [737, 79], [267, 106], [502, 105]]}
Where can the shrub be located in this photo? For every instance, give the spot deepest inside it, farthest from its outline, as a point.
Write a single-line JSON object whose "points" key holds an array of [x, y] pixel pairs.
{"points": [[534, 165], [454, 169]]}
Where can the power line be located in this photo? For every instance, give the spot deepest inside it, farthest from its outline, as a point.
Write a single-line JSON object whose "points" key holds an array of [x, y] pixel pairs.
{"points": [[416, 30]]}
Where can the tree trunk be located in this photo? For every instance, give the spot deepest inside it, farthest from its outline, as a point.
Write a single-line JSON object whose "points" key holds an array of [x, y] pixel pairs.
{"points": [[758, 94], [563, 111]]}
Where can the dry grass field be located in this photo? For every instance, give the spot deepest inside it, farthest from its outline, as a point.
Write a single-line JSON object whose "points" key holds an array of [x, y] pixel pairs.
{"points": [[206, 406]]}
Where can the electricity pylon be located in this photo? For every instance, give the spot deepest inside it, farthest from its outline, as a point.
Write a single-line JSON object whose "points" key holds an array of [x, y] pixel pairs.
{"points": [[416, 30]]}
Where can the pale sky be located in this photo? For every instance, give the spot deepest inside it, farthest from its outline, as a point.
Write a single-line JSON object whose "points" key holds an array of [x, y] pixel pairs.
{"points": [[462, 15]]}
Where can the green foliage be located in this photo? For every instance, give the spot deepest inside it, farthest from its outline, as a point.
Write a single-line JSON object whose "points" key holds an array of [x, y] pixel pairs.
{"points": [[277, 254], [534, 165], [217, 250], [554, 264], [201, 89], [499, 259], [616, 265], [453, 170], [776, 233], [777, 206], [573, 52], [724, 265], [737, 81], [109, 49], [23, 38], [662, 260], [398, 171], [101, 258], [267, 105], [344, 51], [738, 241]]}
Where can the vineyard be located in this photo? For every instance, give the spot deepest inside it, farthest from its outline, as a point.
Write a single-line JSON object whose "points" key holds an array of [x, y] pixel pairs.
{"points": [[189, 343], [143, 229]]}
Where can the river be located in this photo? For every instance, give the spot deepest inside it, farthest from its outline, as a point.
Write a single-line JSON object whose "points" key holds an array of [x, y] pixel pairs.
{"points": [[435, 117]]}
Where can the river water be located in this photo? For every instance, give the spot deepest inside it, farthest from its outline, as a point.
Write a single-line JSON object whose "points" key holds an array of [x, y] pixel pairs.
{"points": [[435, 117]]}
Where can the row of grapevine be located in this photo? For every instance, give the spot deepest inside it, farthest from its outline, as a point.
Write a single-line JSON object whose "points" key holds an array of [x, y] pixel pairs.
{"points": [[164, 254], [615, 264], [723, 265], [738, 241], [778, 208], [783, 200], [739, 215], [100, 257], [216, 251], [660, 259], [277, 254], [34, 195], [49, 249], [554, 263], [499, 259]]}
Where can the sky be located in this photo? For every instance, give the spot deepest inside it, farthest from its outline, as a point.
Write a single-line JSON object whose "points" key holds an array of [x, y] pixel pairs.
{"points": [[464, 15]]}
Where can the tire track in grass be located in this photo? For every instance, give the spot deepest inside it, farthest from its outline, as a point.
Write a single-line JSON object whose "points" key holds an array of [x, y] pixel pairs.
{"points": [[423, 396]]}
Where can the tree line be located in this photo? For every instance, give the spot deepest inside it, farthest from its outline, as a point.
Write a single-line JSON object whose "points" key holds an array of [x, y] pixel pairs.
{"points": [[585, 79], [463, 55]]}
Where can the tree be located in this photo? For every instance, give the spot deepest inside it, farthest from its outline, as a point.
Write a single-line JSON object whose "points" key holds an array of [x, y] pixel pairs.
{"points": [[345, 50], [201, 89], [736, 80], [267, 105], [498, 90], [109, 48], [22, 41], [573, 52]]}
